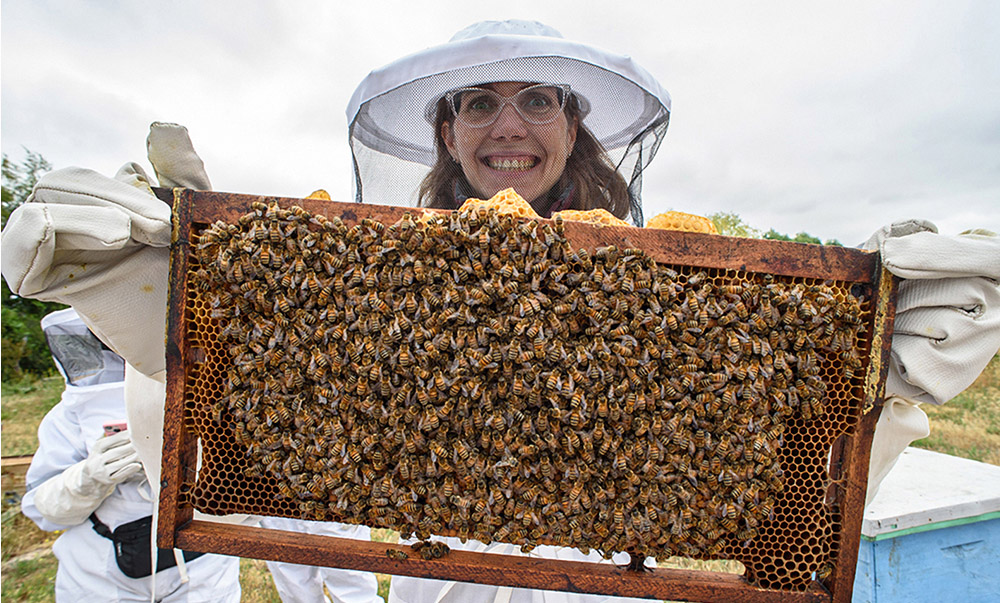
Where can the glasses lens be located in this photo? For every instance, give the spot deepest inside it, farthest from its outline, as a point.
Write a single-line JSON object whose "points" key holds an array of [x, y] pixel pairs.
{"points": [[539, 104], [479, 107], [476, 107]]}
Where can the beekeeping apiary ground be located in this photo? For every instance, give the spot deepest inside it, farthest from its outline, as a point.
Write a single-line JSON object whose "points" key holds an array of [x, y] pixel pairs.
{"points": [[726, 391]]}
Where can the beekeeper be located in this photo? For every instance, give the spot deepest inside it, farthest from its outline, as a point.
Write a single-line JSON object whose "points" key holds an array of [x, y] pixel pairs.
{"points": [[100, 243], [508, 104], [91, 485]]}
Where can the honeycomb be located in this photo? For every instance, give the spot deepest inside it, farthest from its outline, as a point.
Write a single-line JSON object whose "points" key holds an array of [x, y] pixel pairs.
{"points": [[506, 202], [472, 374], [676, 220], [599, 217]]}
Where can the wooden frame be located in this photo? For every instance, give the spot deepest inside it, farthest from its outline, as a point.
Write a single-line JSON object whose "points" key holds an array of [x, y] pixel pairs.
{"points": [[850, 454]]}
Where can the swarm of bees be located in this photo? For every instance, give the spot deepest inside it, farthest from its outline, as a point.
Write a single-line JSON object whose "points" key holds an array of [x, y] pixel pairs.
{"points": [[472, 374]]}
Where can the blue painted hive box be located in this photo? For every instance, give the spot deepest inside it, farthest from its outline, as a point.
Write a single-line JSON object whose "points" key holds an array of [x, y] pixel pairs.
{"points": [[932, 533]]}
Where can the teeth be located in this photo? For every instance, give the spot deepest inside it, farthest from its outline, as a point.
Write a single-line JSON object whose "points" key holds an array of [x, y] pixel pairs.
{"points": [[511, 164]]}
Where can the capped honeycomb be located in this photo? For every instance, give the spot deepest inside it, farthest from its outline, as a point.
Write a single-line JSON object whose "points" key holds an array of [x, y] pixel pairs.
{"points": [[677, 220], [599, 217], [473, 374], [506, 202]]}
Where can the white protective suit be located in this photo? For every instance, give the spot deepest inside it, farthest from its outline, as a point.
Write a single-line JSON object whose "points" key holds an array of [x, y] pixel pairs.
{"points": [[64, 487], [304, 583]]}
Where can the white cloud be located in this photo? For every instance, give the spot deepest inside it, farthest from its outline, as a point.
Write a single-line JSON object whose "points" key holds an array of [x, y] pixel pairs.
{"points": [[833, 118]]}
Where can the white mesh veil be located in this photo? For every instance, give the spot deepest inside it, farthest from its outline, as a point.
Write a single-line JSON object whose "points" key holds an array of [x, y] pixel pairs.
{"points": [[391, 113], [78, 354]]}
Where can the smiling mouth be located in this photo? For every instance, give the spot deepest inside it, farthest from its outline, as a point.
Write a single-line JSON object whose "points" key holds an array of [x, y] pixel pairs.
{"points": [[511, 164]]}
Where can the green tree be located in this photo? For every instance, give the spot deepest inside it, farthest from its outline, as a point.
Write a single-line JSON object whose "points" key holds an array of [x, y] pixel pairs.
{"points": [[23, 348], [19, 179], [731, 225], [802, 237]]}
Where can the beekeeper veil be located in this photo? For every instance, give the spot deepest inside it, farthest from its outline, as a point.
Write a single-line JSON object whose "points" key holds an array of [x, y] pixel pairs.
{"points": [[392, 112], [78, 354]]}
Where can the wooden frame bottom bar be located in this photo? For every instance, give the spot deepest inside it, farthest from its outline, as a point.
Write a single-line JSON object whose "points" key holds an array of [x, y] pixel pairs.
{"points": [[483, 568]]}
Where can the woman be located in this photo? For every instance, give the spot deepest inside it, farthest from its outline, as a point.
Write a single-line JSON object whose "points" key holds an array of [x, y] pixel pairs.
{"points": [[561, 123], [490, 96], [513, 104]]}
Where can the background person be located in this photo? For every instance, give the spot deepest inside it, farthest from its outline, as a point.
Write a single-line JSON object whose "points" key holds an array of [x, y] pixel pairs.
{"points": [[81, 481], [298, 583]]}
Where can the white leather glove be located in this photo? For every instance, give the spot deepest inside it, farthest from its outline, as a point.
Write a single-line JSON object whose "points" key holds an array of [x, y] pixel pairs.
{"points": [[901, 423], [101, 245], [70, 497], [947, 328], [947, 324]]}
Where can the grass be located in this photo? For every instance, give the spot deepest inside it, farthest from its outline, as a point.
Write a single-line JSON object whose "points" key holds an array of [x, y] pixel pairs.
{"points": [[256, 582], [968, 427], [29, 567], [25, 402]]}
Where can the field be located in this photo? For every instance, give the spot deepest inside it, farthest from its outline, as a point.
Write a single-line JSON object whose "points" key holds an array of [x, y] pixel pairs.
{"points": [[968, 426]]}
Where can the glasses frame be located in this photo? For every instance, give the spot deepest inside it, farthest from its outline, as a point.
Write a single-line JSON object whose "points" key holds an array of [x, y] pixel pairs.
{"points": [[505, 100]]}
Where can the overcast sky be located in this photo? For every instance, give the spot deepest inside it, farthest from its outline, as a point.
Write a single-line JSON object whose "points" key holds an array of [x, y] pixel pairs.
{"points": [[832, 118]]}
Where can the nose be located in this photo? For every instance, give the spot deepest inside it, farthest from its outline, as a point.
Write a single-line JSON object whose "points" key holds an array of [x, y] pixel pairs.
{"points": [[509, 123]]}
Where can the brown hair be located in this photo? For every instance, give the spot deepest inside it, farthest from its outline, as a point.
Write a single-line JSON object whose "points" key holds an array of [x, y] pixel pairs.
{"points": [[597, 184]]}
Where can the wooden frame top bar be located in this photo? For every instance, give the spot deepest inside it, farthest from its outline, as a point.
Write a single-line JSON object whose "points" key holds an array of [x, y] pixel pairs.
{"points": [[665, 246]]}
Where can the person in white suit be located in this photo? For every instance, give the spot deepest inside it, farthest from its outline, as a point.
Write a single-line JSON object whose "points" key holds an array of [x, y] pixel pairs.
{"points": [[90, 485]]}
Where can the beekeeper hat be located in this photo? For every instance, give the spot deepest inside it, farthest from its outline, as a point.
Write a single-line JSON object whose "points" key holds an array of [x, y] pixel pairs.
{"points": [[624, 107]]}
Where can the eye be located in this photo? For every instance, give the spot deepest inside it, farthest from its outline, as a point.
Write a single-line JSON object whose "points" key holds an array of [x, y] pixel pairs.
{"points": [[536, 100], [480, 102]]}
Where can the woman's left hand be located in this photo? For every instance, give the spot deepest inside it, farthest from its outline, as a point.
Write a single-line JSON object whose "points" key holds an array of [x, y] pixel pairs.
{"points": [[947, 325]]}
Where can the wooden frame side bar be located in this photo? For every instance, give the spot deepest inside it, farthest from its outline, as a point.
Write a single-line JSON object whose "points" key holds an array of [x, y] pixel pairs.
{"points": [[857, 446], [179, 447]]}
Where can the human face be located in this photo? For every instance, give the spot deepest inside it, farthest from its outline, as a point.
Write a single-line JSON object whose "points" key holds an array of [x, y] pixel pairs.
{"points": [[511, 152]]}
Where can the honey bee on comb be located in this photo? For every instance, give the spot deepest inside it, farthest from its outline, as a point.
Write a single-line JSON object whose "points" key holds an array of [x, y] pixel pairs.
{"points": [[470, 373]]}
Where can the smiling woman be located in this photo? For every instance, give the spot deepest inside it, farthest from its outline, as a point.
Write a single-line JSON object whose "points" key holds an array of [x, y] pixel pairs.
{"points": [[508, 105]]}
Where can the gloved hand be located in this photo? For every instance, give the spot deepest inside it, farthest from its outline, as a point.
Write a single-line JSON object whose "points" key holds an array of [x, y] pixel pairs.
{"points": [[101, 245], [947, 328], [947, 324], [70, 497]]}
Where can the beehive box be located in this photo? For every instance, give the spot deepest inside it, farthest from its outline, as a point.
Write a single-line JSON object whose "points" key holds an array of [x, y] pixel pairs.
{"points": [[524, 381], [932, 533]]}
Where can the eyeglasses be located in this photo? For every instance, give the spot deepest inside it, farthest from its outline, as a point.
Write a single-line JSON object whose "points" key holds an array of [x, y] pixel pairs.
{"points": [[478, 107]]}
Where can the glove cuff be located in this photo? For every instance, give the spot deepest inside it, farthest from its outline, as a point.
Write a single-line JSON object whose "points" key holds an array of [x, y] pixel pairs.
{"points": [[70, 497]]}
